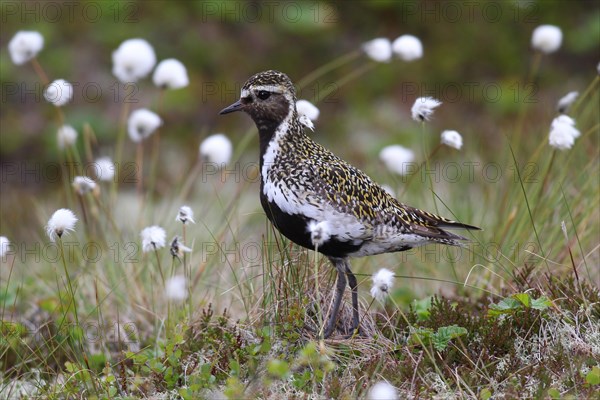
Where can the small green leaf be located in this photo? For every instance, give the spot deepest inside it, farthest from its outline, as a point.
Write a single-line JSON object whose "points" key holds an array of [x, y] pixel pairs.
{"points": [[541, 304], [445, 334], [422, 308], [485, 394], [453, 330], [523, 298], [554, 393], [70, 367], [421, 336], [593, 377], [504, 306], [178, 353], [97, 361]]}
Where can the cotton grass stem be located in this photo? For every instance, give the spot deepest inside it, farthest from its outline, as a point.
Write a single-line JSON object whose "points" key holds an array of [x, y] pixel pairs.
{"points": [[66, 159], [109, 215], [531, 76], [40, 71], [564, 228], [575, 230], [139, 161], [74, 158], [544, 182], [187, 272], [425, 154], [419, 168], [188, 184], [162, 276], [89, 136], [68, 279], [582, 99], [330, 66], [129, 90], [155, 155], [344, 81], [531, 218], [84, 212]]}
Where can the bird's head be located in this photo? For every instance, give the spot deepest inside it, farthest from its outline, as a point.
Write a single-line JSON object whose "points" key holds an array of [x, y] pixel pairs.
{"points": [[268, 97]]}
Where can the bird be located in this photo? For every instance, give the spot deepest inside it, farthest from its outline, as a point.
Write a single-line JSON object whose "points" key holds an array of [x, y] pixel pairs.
{"points": [[302, 184]]}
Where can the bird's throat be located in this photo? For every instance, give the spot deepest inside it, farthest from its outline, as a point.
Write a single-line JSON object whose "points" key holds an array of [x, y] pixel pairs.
{"points": [[266, 133]]}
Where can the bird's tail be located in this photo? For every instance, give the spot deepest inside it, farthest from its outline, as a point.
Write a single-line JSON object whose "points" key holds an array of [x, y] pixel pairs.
{"points": [[457, 225]]}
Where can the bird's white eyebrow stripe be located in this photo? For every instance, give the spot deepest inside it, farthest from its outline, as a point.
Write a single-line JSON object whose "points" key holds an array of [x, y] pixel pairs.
{"points": [[269, 88]]}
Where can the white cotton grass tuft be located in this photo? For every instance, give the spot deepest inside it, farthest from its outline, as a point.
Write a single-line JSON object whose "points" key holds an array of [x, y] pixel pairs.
{"points": [[105, 169], [397, 158], [408, 47], [382, 283], [59, 92], [170, 74], [564, 119], [320, 232], [133, 60], [546, 38], [142, 123], [153, 238], [598, 68], [563, 133], [452, 139], [178, 248], [382, 391], [185, 215], [175, 288], [566, 101], [379, 49], [24, 46], [567, 121], [216, 149], [307, 113], [305, 107], [83, 185], [61, 222], [66, 136], [4, 245], [560, 139], [423, 108]]}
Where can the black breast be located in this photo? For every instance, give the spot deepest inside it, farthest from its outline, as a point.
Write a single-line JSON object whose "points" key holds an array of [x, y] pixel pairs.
{"points": [[294, 227]]}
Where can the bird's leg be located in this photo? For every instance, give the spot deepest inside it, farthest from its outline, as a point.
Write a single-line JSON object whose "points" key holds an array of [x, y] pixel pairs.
{"points": [[339, 264], [354, 288]]}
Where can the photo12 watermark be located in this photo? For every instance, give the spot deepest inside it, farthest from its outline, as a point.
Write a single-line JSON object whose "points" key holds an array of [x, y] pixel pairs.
{"points": [[37, 12]]}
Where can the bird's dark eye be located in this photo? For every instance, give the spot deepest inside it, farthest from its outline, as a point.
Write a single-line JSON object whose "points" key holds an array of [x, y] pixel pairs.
{"points": [[263, 94]]}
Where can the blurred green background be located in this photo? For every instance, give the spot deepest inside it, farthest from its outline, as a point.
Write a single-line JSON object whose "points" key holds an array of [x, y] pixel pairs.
{"points": [[477, 57]]}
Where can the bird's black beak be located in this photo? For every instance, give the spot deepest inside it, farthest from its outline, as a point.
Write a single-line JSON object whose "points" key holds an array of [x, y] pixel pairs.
{"points": [[237, 106]]}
